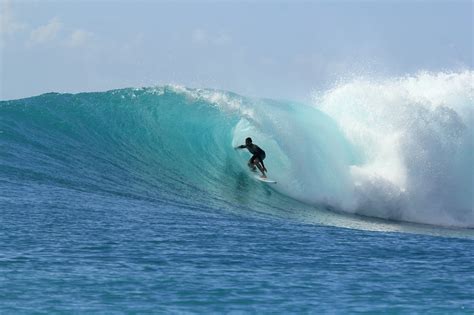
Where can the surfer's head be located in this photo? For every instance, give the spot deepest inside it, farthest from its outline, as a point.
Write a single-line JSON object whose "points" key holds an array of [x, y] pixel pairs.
{"points": [[248, 140]]}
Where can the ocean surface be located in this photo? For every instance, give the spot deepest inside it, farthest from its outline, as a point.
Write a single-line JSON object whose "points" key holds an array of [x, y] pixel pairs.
{"points": [[135, 201]]}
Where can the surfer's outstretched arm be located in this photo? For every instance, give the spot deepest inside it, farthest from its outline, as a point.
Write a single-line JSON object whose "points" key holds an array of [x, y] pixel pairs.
{"points": [[243, 146]]}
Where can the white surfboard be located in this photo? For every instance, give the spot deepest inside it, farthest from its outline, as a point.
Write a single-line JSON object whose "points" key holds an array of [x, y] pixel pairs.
{"points": [[265, 180]]}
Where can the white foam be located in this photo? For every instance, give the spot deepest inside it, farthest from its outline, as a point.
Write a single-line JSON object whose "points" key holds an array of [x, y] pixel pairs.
{"points": [[415, 135], [222, 100]]}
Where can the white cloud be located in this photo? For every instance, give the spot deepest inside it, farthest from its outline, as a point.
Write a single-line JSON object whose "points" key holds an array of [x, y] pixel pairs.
{"points": [[79, 38], [200, 36], [221, 39], [9, 25], [46, 33]]}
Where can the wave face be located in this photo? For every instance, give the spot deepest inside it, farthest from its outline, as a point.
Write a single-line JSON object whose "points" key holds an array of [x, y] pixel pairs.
{"points": [[399, 149]]}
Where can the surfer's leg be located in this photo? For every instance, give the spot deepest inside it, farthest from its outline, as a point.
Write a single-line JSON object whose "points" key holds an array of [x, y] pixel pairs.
{"points": [[262, 157], [262, 169], [251, 163]]}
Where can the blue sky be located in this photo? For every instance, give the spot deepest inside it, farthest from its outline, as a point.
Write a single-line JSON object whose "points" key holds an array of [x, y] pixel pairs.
{"points": [[277, 49]]}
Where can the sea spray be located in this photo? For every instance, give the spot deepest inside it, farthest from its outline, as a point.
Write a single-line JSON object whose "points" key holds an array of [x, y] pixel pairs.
{"points": [[415, 138]]}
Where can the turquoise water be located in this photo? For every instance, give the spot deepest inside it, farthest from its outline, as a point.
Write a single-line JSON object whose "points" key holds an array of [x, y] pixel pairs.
{"points": [[134, 200]]}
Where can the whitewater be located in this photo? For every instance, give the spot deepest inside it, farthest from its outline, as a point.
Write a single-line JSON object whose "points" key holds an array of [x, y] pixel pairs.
{"points": [[141, 190]]}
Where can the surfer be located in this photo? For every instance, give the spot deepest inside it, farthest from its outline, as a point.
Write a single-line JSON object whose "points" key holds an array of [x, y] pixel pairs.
{"points": [[257, 158]]}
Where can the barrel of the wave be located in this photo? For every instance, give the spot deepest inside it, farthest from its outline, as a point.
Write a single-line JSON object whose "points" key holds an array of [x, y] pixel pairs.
{"points": [[307, 154]]}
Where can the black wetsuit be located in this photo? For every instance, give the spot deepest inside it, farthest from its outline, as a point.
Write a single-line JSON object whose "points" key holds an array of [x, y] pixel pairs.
{"points": [[256, 151]]}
